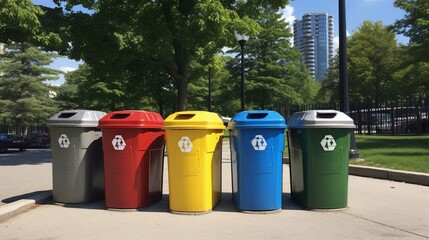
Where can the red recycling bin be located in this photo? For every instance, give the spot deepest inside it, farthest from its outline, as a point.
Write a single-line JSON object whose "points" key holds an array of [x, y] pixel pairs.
{"points": [[133, 148]]}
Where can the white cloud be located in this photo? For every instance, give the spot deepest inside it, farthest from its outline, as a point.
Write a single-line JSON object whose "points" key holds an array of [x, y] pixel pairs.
{"points": [[337, 41], [67, 69], [287, 15]]}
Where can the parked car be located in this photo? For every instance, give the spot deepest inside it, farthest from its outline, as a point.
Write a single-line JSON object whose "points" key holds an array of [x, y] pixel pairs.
{"points": [[12, 141], [38, 140]]}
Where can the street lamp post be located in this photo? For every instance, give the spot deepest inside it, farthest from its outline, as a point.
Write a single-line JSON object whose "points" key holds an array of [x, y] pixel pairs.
{"points": [[242, 39], [344, 83]]}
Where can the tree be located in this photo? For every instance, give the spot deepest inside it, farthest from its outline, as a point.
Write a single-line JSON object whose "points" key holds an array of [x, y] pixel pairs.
{"points": [[169, 33], [18, 20], [373, 58], [274, 73], [415, 25], [414, 71], [329, 90], [24, 95]]}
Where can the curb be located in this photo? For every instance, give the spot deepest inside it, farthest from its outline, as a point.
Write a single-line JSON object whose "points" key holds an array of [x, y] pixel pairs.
{"points": [[15, 208], [386, 174], [389, 174]]}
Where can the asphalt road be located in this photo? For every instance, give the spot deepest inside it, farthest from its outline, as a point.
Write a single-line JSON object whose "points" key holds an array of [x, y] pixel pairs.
{"points": [[24, 173]]}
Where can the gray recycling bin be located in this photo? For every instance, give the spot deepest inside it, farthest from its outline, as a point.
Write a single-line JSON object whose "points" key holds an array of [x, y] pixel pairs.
{"points": [[77, 156], [319, 146]]}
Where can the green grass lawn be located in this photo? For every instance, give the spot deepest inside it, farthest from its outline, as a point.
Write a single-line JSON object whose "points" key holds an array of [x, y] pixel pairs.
{"points": [[409, 153]]}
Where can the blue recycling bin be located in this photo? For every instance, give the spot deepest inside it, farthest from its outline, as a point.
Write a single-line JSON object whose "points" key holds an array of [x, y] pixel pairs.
{"points": [[257, 144]]}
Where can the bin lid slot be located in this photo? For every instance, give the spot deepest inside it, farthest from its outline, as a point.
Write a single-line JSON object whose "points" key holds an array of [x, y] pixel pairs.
{"points": [[320, 119], [257, 119], [67, 114], [131, 119], [120, 116], [256, 115], [194, 120], [184, 116], [75, 118], [326, 114]]}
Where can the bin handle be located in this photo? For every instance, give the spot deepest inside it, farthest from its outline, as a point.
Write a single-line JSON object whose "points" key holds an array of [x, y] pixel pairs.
{"points": [[326, 114], [185, 116], [120, 116], [67, 114], [256, 115]]}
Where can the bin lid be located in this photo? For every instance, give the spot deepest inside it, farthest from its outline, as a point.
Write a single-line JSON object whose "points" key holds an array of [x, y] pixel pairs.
{"points": [[131, 119], [193, 120], [320, 119], [75, 118], [257, 119]]}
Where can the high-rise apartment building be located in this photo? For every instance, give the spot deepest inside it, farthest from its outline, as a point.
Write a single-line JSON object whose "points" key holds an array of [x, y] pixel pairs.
{"points": [[314, 38]]}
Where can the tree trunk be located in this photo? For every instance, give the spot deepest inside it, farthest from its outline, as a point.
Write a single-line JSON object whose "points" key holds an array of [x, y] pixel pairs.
{"points": [[179, 71], [182, 95]]}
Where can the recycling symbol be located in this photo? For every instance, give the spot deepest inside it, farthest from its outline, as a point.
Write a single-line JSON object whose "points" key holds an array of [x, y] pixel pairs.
{"points": [[185, 144], [118, 143], [328, 143], [259, 143], [64, 141]]}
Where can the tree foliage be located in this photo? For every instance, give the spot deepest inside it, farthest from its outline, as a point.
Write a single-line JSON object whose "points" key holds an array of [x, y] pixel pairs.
{"points": [[18, 20], [415, 66], [329, 90], [169, 33], [372, 58], [274, 75], [415, 25], [25, 97]]}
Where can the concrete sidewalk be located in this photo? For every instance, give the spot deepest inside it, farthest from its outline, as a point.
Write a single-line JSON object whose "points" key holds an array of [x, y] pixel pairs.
{"points": [[378, 209]]}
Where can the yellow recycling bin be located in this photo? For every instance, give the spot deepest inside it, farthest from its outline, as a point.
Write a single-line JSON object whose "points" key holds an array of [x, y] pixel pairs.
{"points": [[194, 150]]}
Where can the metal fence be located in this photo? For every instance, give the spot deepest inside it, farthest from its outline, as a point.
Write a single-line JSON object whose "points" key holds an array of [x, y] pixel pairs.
{"points": [[395, 117], [408, 116]]}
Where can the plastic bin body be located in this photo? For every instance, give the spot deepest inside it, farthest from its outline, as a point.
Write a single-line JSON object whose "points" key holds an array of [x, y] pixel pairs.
{"points": [[319, 145], [257, 144], [194, 150], [133, 145], [77, 160]]}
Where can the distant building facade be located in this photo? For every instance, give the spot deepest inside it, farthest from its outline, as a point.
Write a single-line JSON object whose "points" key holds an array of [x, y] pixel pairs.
{"points": [[314, 38]]}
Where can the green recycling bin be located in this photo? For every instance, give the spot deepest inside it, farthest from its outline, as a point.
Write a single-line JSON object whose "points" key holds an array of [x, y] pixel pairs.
{"points": [[319, 145]]}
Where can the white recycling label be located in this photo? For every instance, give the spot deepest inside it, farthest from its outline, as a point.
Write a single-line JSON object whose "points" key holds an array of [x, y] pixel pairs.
{"points": [[328, 143], [64, 141], [185, 144], [259, 143], [118, 143]]}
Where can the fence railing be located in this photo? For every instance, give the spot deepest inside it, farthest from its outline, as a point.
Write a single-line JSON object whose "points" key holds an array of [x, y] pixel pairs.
{"points": [[394, 117]]}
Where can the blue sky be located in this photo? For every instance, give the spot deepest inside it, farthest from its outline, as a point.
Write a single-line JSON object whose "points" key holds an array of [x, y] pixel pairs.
{"points": [[357, 11]]}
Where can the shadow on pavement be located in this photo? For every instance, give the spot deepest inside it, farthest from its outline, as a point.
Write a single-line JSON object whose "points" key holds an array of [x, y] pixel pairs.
{"points": [[29, 157], [289, 204], [31, 195], [226, 204]]}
